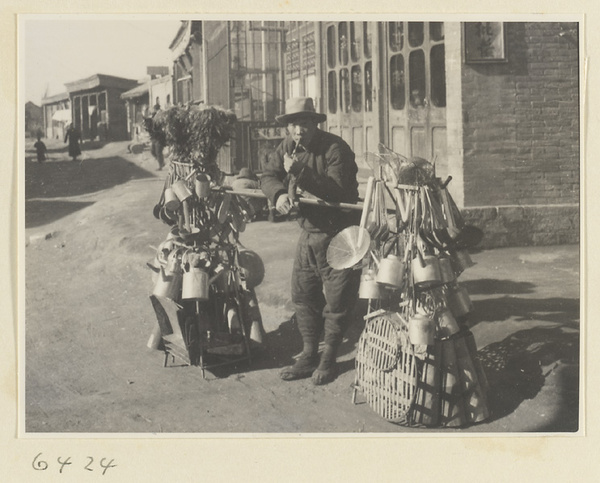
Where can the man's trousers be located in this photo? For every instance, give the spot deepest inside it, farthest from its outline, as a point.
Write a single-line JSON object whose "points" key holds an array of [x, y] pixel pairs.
{"points": [[323, 297]]}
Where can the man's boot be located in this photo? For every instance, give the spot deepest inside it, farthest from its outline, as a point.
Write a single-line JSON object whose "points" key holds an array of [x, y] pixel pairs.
{"points": [[327, 370], [305, 365]]}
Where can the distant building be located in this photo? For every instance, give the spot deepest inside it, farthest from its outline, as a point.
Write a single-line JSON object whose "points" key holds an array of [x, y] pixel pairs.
{"points": [[189, 83], [137, 101], [237, 65], [161, 91], [97, 108], [140, 100], [33, 120], [56, 114]]}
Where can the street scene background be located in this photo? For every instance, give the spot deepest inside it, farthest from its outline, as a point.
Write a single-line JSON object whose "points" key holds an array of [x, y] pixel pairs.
{"points": [[89, 229], [89, 233]]}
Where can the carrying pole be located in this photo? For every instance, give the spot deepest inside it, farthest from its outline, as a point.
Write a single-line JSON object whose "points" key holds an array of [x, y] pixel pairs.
{"points": [[301, 199]]}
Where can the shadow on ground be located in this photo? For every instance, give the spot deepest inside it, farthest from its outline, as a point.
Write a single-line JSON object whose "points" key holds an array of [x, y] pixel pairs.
{"points": [[41, 212], [85, 146], [490, 286], [279, 347], [559, 310], [282, 344], [72, 178], [518, 367]]}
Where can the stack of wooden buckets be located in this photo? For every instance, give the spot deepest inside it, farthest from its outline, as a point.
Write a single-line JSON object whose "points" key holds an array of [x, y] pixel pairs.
{"points": [[416, 358]]}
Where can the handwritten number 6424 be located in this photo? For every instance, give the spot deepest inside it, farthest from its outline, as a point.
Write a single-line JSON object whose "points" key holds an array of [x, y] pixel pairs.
{"points": [[41, 465]]}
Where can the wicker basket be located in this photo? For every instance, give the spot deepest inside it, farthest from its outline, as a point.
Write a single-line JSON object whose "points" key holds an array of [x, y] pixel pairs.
{"points": [[386, 371], [181, 171]]}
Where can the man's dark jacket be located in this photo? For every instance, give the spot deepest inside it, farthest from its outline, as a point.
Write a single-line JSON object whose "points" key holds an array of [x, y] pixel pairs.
{"points": [[326, 169]]}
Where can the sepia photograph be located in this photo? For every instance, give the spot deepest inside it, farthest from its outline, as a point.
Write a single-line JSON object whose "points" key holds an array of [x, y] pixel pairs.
{"points": [[292, 225]]}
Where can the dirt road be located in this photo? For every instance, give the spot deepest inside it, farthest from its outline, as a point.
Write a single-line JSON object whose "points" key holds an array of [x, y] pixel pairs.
{"points": [[90, 232]]}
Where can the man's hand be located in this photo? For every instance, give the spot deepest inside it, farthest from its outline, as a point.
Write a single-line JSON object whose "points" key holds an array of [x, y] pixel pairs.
{"points": [[284, 204], [287, 162]]}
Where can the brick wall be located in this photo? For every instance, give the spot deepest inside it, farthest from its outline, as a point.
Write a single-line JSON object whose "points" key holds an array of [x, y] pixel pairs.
{"points": [[521, 139], [507, 226], [521, 121]]}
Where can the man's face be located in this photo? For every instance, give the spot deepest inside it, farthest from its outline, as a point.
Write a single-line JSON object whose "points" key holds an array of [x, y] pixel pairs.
{"points": [[302, 130]]}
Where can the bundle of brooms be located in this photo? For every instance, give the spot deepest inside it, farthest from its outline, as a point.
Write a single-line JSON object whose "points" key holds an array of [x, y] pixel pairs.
{"points": [[195, 134]]}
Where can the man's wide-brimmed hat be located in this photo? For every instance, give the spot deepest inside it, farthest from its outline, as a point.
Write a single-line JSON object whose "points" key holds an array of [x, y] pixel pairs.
{"points": [[298, 107]]}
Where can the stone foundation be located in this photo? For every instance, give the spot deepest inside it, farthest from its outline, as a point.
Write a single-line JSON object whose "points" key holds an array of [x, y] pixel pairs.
{"points": [[506, 226]]}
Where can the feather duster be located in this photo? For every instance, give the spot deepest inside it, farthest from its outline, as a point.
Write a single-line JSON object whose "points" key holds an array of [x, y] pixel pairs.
{"points": [[195, 134]]}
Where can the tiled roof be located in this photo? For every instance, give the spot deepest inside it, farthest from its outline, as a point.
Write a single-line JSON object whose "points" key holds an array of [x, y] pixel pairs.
{"points": [[63, 96], [137, 91], [100, 80]]}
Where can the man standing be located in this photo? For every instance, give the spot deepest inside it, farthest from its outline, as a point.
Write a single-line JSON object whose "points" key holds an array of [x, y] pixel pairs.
{"points": [[40, 149], [73, 137], [322, 164]]}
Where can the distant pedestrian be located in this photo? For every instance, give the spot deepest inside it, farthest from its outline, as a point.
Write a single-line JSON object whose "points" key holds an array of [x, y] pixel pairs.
{"points": [[40, 149], [265, 156], [156, 149], [157, 138], [246, 179], [73, 137]]}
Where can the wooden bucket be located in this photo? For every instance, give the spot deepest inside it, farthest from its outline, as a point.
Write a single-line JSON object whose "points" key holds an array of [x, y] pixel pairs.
{"points": [[391, 272], [459, 302], [167, 285], [446, 271], [421, 330], [426, 271], [172, 203], [202, 186], [446, 324], [369, 288], [195, 284], [462, 260], [181, 190]]}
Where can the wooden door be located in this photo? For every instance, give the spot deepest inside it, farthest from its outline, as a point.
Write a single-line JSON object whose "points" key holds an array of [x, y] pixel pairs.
{"points": [[415, 86], [350, 70]]}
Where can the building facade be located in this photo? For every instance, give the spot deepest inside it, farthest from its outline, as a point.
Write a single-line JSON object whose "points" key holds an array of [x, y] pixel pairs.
{"points": [[140, 101], [160, 91], [494, 105], [188, 64], [521, 137], [56, 115], [34, 125], [137, 101], [237, 65], [97, 109]]}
